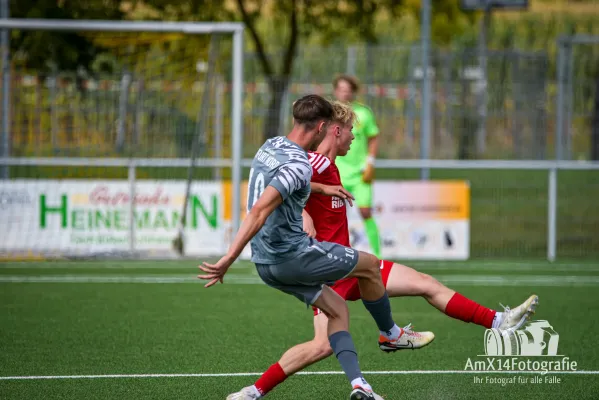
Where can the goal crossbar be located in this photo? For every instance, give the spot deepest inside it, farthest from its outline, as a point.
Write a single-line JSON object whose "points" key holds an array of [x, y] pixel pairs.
{"points": [[120, 26]]}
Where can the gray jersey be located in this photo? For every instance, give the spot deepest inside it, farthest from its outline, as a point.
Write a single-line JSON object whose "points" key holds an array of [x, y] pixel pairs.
{"points": [[283, 165]]}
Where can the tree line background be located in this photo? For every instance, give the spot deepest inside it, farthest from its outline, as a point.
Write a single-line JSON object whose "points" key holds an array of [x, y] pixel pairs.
{"points": [[280, 35]]}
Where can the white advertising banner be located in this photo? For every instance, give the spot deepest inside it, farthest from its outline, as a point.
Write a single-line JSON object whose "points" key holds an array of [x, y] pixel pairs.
{"points": [[418, 220], [87, 217]]}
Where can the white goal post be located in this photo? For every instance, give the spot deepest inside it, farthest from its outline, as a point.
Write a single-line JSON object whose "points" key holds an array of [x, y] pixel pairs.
{"points": [[188, 28]]}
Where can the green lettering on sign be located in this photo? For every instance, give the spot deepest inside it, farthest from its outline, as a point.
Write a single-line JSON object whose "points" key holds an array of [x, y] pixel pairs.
{"points": [[211, 218], [77, 219], [104, 218], [142, 219], [119, 220], [61, 209], [176, 219], [160, 221]]}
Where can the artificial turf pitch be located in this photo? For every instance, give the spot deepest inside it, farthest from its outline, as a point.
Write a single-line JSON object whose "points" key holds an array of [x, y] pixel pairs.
{"points": [[149, 330]]}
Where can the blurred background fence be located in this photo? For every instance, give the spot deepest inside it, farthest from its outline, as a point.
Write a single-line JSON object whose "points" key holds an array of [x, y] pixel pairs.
{"points": [[148, 111]]}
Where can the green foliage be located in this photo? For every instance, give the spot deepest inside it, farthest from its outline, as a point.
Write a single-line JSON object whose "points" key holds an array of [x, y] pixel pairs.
{"points": [[324, 23], [392, 24], [447, 19], [44, 50], [181, 10]]}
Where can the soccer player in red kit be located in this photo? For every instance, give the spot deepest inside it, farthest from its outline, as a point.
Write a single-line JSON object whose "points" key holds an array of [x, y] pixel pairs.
{"points": [[325, 218]]}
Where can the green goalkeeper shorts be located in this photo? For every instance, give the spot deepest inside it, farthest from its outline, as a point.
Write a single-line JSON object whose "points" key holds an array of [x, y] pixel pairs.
{"points": [[362, 192]]}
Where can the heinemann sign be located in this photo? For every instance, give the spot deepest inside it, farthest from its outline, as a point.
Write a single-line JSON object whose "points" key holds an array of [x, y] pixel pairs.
{"points": [[117, 218], [81, 216]]}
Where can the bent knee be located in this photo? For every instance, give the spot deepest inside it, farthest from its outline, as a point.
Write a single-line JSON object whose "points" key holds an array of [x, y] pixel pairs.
{"points": [[336, 308], [428, 285], [322, 349], [370, 260], [371, 265], [339, 311]]}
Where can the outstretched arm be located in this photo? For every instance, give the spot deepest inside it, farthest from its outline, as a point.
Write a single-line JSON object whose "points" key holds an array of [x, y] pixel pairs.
{"points": [[266, 204]]}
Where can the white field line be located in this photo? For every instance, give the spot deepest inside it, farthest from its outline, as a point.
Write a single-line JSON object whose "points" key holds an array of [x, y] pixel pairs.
{"points": [[519, 280], [125, 265], [474, 280], [235, 374], [230, 278], [509, 264], [510, 267], [454, 265]]}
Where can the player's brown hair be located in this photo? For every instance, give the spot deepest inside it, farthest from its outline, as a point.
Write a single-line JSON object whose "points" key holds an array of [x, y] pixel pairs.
{"points": [[311, 109], [343, 113], [352, 80]]}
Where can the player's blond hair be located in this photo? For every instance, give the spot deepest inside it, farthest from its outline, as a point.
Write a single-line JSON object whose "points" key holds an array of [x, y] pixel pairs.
{"points": [[343, 113]]}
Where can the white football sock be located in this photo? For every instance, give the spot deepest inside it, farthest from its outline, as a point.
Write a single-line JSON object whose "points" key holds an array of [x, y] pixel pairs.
{"points": [[393, 333], [257, 393], [362, 383], [497, 319]]}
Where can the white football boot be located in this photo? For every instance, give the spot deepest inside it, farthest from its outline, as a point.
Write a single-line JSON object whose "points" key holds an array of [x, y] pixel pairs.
{"points": [[408, 339], [247, 393], [360, 393], [512, 319]]}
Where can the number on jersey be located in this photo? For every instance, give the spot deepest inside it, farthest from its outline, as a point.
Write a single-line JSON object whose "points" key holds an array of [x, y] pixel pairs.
{"points": [[255, 188]]}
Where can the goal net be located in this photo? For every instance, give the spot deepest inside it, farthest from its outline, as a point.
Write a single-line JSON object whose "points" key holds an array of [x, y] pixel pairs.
{"points": [[110, 151]]}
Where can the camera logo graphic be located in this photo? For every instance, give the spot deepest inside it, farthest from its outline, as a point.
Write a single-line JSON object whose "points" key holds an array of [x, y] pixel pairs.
{"points": [[537, 338]]}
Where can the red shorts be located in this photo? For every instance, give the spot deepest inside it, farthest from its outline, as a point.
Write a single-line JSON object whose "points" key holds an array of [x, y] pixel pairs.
{"points": [[349, 289]]}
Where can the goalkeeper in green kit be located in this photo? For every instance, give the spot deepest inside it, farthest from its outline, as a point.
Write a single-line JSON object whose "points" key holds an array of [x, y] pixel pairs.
{"points": [[357, 167]]}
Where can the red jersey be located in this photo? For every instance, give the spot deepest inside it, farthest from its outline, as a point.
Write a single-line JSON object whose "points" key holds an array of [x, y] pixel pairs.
{"points": [[330, 222], [328, 212]]}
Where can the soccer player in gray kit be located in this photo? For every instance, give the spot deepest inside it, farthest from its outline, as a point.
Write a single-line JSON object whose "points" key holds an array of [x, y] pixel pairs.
{"points": [[287, 258]]}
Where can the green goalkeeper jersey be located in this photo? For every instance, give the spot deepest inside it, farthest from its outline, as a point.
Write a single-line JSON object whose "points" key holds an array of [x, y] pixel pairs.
{"points": [[352, 165]]}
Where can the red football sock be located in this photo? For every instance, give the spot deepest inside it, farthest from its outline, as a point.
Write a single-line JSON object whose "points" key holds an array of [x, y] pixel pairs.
{"points": [[464, 309], [271, 378]]}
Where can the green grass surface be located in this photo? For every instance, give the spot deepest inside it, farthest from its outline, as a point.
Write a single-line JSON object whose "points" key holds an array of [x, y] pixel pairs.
{"points": [[97, 318]]}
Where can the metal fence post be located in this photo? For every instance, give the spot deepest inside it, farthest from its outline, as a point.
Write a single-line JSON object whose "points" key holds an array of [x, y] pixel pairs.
{"points": [[425, 123], [481, 134], [131, 177], [285, 111], [350, 68], [53, 86], [5, 48], [552, 214], [139, 107], [411, 95], [449, 93], [559, 131], [218, 125], [123, 102], [569, 76]]}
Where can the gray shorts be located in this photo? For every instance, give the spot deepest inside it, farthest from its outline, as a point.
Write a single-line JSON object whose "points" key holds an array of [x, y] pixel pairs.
{"points": [[321, 263]]}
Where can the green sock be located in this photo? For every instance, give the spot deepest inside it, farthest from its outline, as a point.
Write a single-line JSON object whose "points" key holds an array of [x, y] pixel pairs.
{"points": [[372, 231]]}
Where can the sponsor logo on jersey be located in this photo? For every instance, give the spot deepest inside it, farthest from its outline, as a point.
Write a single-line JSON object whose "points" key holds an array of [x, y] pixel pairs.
{"points": [[337, 202]]}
